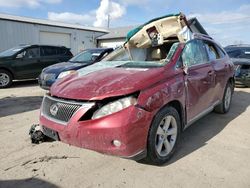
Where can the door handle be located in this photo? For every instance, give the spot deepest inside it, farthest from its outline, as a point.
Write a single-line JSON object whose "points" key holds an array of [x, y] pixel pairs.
{"points": [[210, 73]]}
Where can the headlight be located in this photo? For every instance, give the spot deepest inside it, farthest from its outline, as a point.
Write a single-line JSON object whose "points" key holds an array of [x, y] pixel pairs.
{"points": [[63, 74], [49, 76], [115, 106]]}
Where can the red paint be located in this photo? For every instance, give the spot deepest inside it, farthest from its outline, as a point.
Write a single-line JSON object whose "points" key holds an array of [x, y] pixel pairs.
{"points": [[158, 86], [98, 134]]}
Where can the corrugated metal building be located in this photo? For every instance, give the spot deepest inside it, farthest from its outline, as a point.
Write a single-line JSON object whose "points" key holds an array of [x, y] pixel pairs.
{"points": [[16, 30], [115, 37]]}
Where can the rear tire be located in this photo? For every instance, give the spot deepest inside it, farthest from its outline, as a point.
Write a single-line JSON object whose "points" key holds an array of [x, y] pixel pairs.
{"points": [[6, 78], [164, 136], [224, 106]]}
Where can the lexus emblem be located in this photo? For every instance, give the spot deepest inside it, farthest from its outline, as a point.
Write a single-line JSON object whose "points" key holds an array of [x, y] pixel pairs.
{"points": [[54, 109]]}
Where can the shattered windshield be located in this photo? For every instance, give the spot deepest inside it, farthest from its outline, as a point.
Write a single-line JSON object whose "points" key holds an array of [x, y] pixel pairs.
{"points": [[86, 56], [11, 51], [156, 56]]}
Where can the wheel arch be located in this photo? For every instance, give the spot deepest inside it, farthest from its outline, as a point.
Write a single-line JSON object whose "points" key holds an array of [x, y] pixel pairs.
{"points": [[180, 109], [231, 80], [6, 69]]}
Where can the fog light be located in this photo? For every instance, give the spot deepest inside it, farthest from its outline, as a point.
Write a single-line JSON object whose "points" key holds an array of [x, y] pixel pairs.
{"points": [[117, 143]]}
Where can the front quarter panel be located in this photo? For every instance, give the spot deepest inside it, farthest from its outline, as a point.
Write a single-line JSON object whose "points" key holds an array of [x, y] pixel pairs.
{"points": [[7, 65], [156, 97]]}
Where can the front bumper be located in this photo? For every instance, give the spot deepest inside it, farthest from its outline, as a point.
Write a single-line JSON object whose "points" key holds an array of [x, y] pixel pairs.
{"points": [[129, 126]]}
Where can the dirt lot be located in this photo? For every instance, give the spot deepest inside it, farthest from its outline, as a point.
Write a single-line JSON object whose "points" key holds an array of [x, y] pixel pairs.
{"points": [[215, 152]]}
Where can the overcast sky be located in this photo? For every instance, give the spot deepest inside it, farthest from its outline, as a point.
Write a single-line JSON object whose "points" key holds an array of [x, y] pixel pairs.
{"points": [[228, 21]]}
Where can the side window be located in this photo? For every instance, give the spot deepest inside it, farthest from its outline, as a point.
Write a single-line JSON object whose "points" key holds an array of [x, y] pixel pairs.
{"points": [[245, 53], [194, 53], [31, 53], [234, 53], [212, 52], [61, 51], [48, 51], [64, 51], [68, 52], [220, 51]]}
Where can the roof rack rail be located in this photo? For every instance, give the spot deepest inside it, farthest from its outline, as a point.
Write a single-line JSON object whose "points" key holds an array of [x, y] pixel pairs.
{"points": [[238, 45], [202, 35]]}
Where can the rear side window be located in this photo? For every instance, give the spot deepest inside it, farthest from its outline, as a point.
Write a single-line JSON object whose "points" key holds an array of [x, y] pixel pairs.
{"points": [[220, 51], [64, 51], [194, 53], [246, 53], [246, 67], [61, 51], [68, 52], [234, 53], [48, 51], [238, 52], [211, 51]]}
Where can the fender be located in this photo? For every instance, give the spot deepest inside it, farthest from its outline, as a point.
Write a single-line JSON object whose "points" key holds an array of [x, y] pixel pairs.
{"points": [[9, 70]]}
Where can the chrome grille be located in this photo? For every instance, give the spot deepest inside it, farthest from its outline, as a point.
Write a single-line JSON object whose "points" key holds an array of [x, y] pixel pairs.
{"points": [[61, 110]]}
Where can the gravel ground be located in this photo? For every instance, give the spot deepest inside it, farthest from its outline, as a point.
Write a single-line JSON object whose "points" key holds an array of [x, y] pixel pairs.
{"points": [[214, 152]]}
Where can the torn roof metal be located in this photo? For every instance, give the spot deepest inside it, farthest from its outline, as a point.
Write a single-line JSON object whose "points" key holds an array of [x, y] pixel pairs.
{"points": [[167, 26], [132, 32]]}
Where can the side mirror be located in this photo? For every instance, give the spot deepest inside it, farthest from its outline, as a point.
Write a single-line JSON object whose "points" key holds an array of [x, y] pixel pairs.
{"points": [[19, 56]]}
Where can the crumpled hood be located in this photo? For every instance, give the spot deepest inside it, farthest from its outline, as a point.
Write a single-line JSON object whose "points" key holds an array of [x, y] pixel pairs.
{"points": [[105, 83], [65, 66]]}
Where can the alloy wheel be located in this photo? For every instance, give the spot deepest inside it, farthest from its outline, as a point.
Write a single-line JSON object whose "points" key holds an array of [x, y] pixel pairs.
{"points": [[227, 99], [4, 79], [166, 136]]}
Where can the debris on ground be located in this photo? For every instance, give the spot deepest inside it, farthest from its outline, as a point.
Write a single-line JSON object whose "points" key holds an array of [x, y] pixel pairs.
{"points": [[36, 134]]}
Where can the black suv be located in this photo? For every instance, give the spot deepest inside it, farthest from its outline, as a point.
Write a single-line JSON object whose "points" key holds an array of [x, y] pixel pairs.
{"points": [[240, 55], [27, 61]]}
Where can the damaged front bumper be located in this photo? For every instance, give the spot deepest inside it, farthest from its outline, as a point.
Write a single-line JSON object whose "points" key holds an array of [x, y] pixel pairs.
{"points": [[122, 134]]}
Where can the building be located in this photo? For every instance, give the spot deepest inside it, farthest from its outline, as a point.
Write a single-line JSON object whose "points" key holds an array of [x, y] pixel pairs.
{"points": [[16, 30], [115, 37]]}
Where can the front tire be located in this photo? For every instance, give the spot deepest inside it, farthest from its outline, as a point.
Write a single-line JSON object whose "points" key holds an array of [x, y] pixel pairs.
{"points": [[164, 136], [224, 106], [5, 78]]}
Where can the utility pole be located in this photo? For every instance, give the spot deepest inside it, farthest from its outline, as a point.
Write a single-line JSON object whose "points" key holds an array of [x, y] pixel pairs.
{"points": [[108, 20]]}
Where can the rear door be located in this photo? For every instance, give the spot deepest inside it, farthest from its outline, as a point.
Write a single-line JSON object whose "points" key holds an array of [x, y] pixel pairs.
{"points": [[199, 79], [63, 54], [48, 56], [218, 60]]}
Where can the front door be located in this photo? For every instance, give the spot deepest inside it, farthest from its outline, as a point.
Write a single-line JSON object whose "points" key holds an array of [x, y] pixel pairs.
{"points": [[26, 64], [199, 79]]}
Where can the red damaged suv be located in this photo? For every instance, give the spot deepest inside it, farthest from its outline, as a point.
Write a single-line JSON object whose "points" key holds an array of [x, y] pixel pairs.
{"points": [[136, 102]]}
